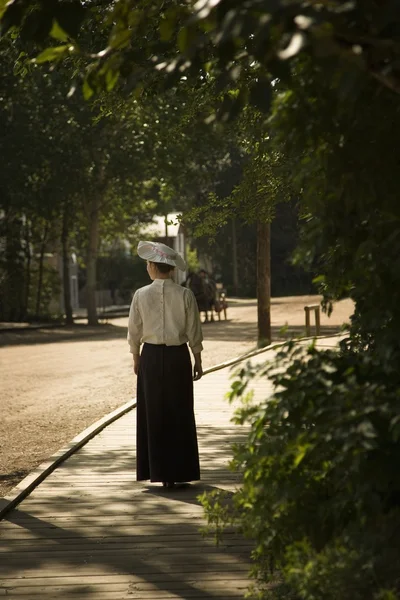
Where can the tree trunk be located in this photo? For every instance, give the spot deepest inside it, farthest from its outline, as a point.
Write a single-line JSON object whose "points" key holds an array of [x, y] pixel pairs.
{"points": [[91, 271], [264, 283], [234, 259], [28, 256], [41, 266], [69, 319], [12, 277]]}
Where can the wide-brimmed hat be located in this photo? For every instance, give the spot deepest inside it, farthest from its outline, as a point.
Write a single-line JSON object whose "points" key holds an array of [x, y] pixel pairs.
{"points": [[160, 253]]}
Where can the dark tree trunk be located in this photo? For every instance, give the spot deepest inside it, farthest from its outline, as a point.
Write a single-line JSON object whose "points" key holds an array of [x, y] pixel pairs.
{"points": [[234, 259], [264, 283], [13, 272], [69, 319], [41, 267], [28, 256], [91, 270]]}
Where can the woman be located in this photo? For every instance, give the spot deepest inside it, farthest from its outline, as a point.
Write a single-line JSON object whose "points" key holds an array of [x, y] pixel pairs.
{"points": [[164, 316]]}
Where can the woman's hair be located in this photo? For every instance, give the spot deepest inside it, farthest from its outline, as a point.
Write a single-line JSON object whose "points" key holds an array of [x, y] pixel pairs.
{"points": [[162, 267]]}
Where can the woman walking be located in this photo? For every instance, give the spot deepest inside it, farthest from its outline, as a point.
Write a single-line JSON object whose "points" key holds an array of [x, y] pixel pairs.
{"points": [[164, 317]]}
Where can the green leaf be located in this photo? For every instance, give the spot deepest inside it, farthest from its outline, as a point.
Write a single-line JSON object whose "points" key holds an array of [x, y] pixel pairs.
{"points": [[120, 38], [54, 53], [111, 79], [87, 90], [301, 453], [183, 39], [319, 279], [58, 33], [166, 30], [3, 6]]}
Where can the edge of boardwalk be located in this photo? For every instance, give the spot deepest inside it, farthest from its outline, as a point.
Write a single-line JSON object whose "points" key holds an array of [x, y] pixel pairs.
{"points": [[29, 483]]}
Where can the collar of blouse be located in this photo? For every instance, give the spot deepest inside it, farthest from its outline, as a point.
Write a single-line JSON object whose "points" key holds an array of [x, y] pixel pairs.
{"points": [[162, 281]]}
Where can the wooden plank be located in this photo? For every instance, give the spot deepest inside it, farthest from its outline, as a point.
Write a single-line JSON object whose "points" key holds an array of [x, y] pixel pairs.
{"points": [[121, 563], [128, 592], [24, 522], [102, 557], [146, 581], [169, 532], [190, 589], [70, 551], [51, 548], [151, 571], [128, 542]]}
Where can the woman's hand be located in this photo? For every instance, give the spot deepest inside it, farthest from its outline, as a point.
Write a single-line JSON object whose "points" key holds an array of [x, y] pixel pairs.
{"points": [[197, 372], [136, 363], [197, 369]]}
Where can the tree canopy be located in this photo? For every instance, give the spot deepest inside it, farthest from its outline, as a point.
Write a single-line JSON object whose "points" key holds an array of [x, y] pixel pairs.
{"points": [[246, 45]]}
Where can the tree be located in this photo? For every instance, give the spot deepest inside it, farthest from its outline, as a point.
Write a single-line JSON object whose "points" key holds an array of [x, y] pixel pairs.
{"points": [[26, 208], [67, 163], [320, 494], [252, 198], [344, 165]]}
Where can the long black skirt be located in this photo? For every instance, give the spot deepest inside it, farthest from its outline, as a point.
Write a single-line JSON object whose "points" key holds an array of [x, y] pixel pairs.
{"points": [[166, 446]]}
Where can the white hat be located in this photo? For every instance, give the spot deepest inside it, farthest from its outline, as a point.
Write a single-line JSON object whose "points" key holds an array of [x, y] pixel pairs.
{"points": [[160, 253]]}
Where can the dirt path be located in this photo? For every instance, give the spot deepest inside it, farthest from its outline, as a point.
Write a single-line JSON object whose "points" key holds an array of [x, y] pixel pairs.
{"points": [[54, 383]]}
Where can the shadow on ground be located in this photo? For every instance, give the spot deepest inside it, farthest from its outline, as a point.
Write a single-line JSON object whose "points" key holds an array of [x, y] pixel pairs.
{"points": [[233, 331], [73, 333], [229, 330], [96, 519]]}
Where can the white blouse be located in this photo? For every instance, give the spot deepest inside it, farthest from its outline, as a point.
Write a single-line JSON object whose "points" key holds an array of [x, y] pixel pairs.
{"points": [[164, 313]]}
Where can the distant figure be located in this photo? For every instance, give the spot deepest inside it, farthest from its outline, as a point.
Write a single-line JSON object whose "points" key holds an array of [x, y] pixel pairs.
{"points": [[204, 289], [197, 285], [210, 290]]}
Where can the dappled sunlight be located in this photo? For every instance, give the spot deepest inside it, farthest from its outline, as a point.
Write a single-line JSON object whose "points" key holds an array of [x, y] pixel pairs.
{"points": [[63, 334], [92, 522]]}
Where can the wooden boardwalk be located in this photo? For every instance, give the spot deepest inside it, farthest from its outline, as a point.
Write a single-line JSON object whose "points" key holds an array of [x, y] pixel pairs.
{"points": [[91, 531]]}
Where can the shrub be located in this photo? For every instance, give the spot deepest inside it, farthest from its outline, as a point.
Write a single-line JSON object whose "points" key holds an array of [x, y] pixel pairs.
{"points": [[321, 478]]}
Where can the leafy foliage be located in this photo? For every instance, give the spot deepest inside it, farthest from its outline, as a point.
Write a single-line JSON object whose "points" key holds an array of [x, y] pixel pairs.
{"points": [[321, 488], [246, 45], [320, 493], [62, 156], [120, 271], [342, 165], [112, 161]]}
